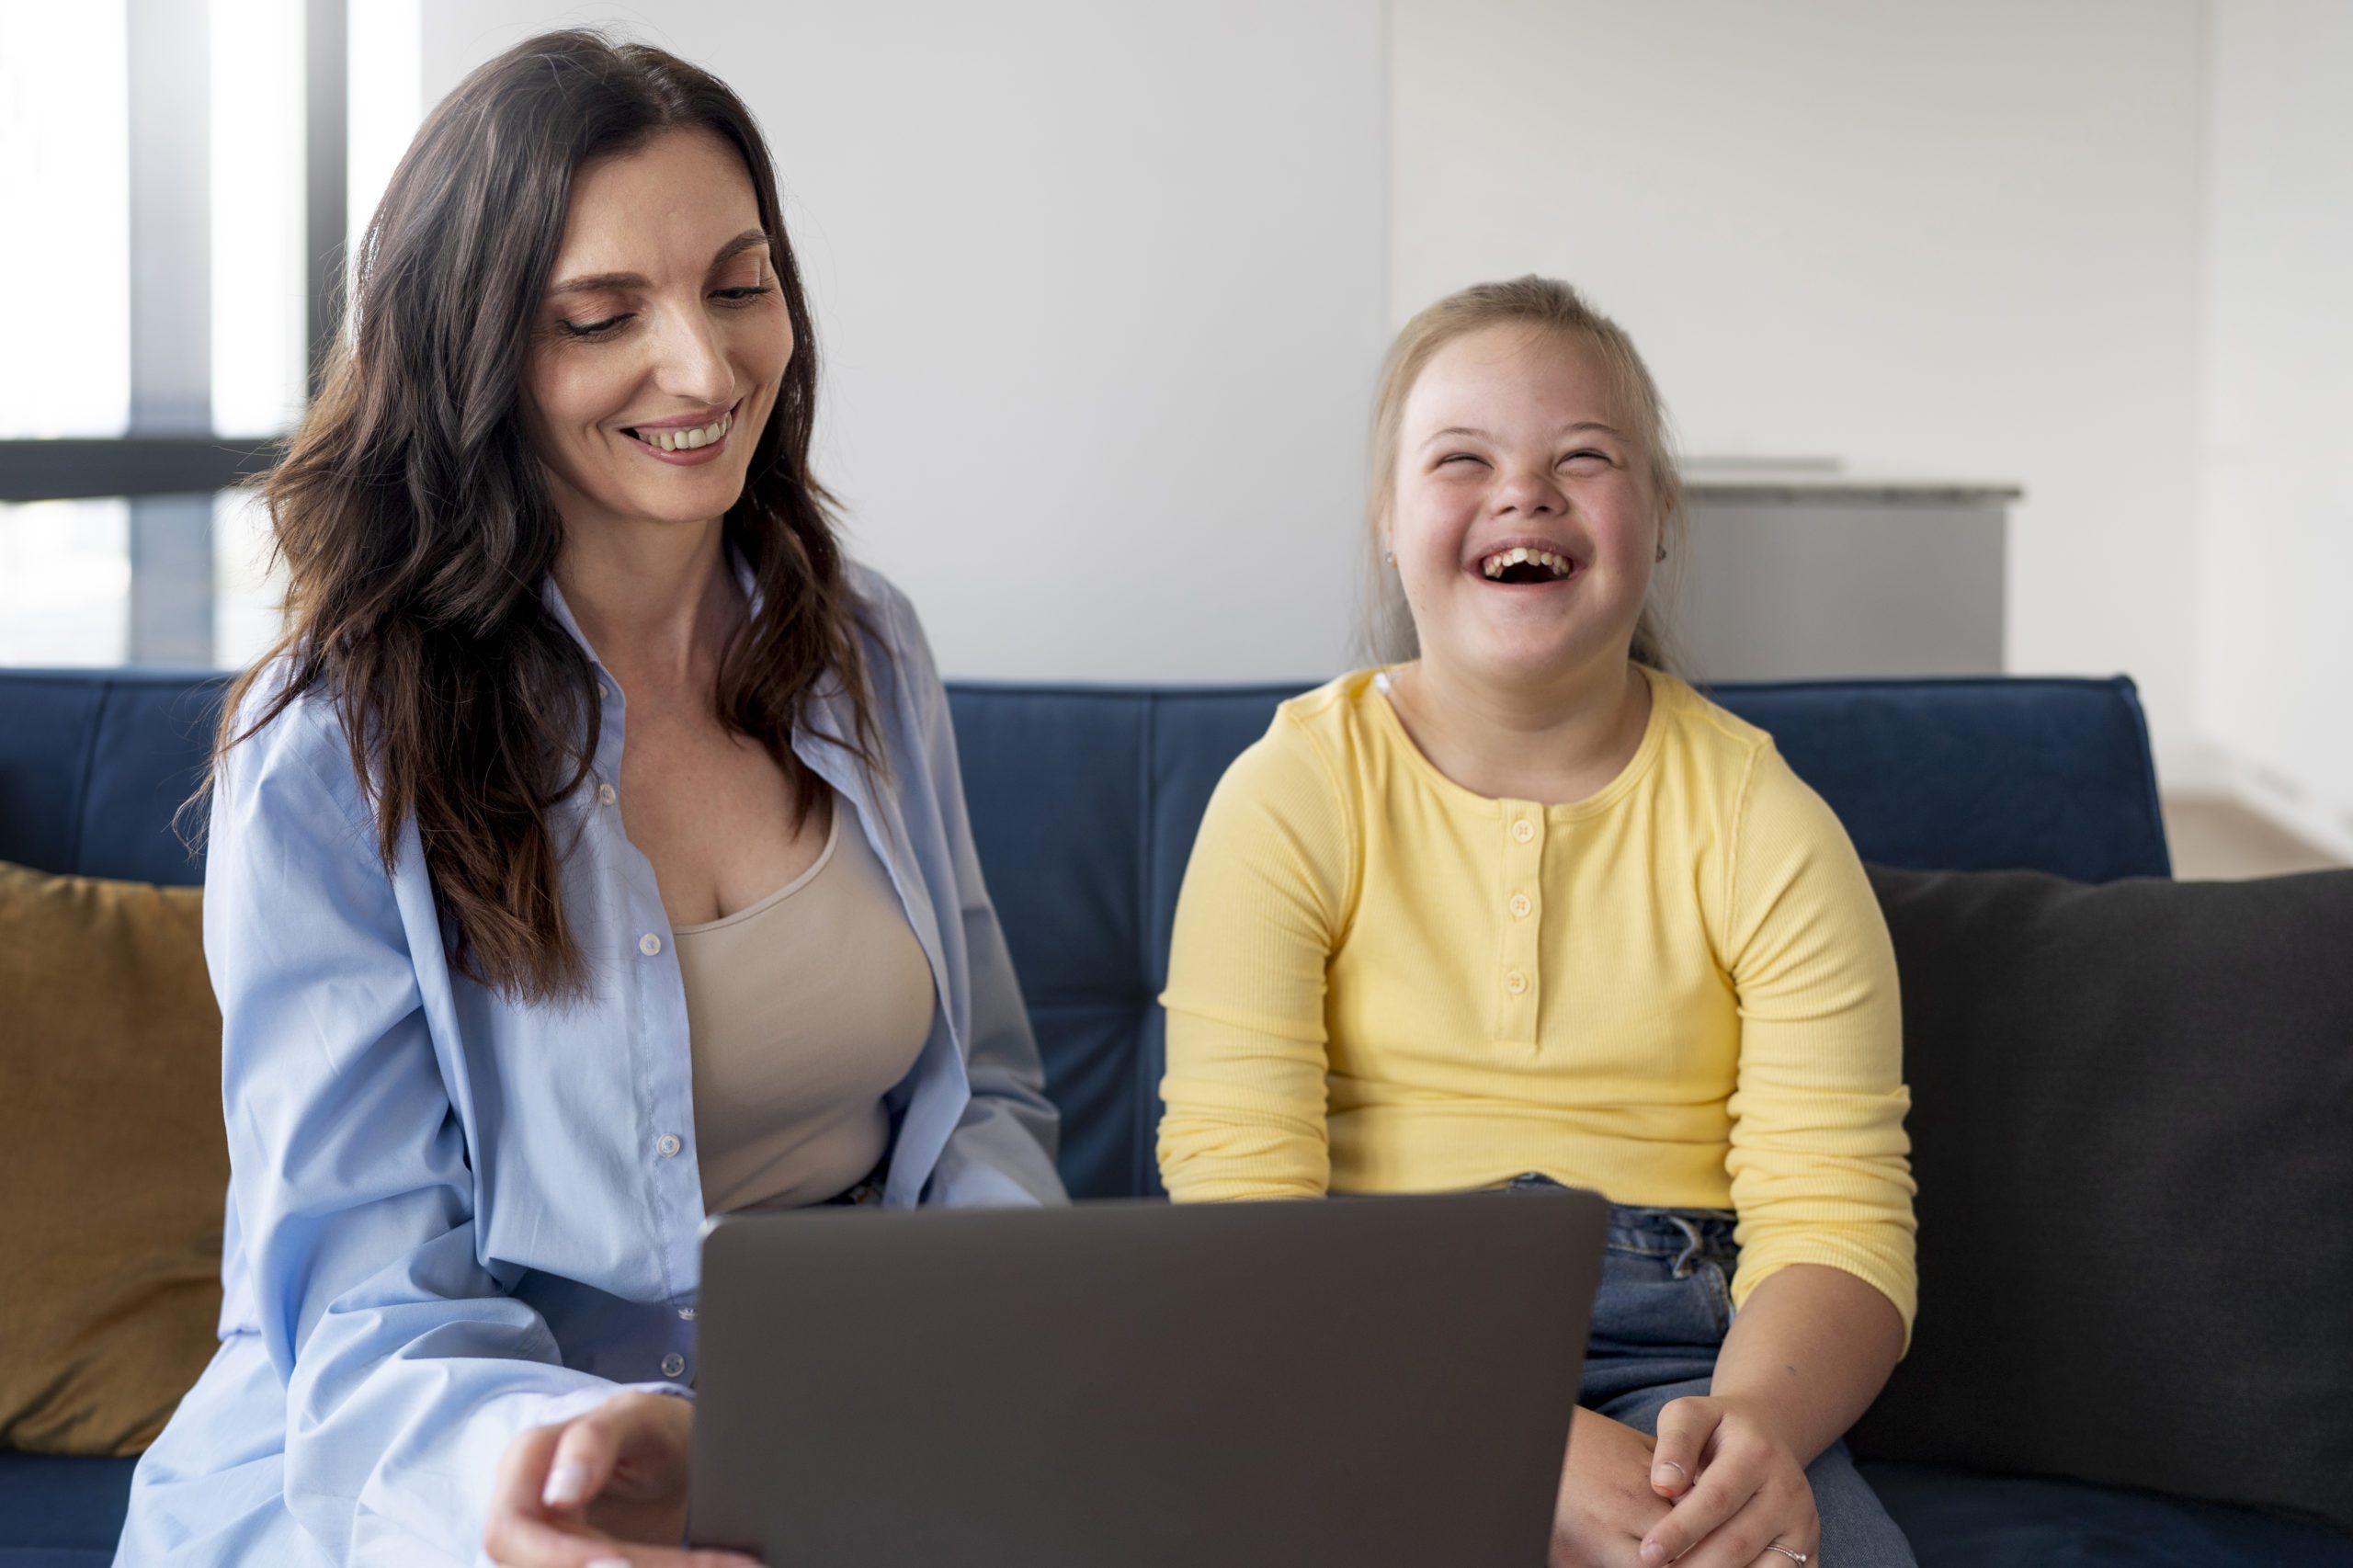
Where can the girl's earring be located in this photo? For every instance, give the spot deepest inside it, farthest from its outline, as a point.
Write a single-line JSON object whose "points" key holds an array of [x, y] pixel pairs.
{"points": [[1388, 558], [1661, 552]]}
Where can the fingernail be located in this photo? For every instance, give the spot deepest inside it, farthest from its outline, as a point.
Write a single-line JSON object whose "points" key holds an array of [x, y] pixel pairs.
{"points": [[567, 1484], [1667, 1473], [1653, 1553]]}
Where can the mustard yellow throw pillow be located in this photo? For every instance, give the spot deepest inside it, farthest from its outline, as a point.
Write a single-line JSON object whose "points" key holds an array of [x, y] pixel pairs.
{"points": [[113, 1164]]}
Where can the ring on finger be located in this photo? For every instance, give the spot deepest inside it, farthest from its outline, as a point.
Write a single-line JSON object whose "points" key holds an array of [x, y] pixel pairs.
{"points": [[1800, 1558]]}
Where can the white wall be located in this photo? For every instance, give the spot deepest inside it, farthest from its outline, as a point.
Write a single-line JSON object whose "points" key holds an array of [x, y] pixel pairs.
{"points": [[1103, 288], [1954, 241], [1099, 290], [2275, 556]]}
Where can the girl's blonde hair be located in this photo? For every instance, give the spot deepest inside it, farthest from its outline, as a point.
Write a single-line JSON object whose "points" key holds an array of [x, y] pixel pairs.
{"points": [[1543, 304]]}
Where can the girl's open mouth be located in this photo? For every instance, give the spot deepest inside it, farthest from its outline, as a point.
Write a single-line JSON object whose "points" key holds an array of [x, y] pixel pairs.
{"points": [[1526, 565]]}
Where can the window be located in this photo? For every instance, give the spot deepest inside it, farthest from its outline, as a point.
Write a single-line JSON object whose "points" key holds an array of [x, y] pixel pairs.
{"points": [[65, 126], [194, 173]]}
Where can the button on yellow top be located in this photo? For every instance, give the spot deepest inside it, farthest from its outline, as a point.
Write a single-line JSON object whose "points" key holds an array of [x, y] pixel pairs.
{"points": [[1515, 982], [1523, 830], [1520, 906]]}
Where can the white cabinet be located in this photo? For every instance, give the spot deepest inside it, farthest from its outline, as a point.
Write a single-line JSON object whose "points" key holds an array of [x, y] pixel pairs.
{"points": [[1806, 576]]}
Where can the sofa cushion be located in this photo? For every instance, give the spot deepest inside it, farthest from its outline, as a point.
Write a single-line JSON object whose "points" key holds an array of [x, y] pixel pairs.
{"points": [[60, 1512], [94, 764], [2130, 1115], [1960, 1518], [115, 1164], [1977, 772]]}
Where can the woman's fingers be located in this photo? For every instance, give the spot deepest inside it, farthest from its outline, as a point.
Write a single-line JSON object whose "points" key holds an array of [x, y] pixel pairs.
{"points": [[523, 1542], [518, 1533], [517, 1489], [1684, 1428], [552, 1546], [582, 1461], [526, 1530]]}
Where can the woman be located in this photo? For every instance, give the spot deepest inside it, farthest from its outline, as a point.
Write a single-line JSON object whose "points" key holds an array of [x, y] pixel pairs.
{"points": [[589, 856], [1525, 908]]}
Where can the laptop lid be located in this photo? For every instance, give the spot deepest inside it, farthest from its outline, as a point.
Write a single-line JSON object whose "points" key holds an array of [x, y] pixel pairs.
{"points": [[1385, 1383]]}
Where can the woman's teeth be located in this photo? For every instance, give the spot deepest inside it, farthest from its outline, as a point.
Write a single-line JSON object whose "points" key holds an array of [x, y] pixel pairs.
{"points": [[1503, 561], [687, 440]]}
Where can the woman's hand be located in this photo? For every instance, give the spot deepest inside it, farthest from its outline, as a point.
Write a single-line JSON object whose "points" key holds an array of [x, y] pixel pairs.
{"points": [[1607, 1505], [606, 1490], [1736, 1487]]}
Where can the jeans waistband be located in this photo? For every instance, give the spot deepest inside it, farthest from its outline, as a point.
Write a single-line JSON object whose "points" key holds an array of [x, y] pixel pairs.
{"points": [[1679, 1234], [1682, 1234]]}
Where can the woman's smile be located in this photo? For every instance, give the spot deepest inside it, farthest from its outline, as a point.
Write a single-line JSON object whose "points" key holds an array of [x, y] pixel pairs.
{"points": [[695, 438]]}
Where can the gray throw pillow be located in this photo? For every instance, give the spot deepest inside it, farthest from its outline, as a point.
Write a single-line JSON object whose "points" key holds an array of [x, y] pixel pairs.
{"points": [[2132, 1128]]}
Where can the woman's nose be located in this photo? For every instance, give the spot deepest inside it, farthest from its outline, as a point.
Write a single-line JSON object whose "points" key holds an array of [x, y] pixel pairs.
{"points": [[693, 365]]}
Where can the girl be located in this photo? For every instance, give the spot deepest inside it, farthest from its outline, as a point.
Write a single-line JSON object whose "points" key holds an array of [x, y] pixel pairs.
{"points": [[589, 857], [1523, 907]]}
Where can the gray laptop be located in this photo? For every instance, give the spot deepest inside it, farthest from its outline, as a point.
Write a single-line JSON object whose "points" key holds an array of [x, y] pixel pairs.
{"points": [[1383, 1382]]}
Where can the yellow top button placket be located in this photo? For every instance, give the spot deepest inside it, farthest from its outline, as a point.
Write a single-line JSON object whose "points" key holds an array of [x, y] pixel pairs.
{"points": [[1517, 989]]}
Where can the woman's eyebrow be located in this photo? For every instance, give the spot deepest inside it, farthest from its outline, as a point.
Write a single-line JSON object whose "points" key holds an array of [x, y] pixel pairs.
{"points": [[747, 240], [599, 280]]}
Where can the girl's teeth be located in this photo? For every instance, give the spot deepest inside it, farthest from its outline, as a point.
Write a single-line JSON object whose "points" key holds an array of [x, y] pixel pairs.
{"points": [[1497, 564]]}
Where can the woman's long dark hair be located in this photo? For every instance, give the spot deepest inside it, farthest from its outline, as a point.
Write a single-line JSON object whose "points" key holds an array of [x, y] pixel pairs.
{"points": [[418, 527]]}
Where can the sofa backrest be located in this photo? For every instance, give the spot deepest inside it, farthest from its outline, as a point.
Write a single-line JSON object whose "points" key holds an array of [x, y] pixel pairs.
{"points": [[1085, 800]]}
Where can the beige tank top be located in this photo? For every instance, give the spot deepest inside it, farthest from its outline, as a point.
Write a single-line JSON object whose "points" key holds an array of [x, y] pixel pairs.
{"points": [[803, 1011]]}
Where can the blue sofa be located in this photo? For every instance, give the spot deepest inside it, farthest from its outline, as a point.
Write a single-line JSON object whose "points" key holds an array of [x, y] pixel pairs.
{"points": [[1085, 802]]}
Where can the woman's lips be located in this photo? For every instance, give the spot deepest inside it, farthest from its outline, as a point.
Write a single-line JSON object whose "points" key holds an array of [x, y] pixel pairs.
{"points": [[716, 436]]}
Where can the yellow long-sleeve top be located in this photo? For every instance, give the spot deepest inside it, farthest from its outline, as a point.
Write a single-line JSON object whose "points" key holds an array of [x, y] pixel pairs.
{"points": [[1680, 991]]}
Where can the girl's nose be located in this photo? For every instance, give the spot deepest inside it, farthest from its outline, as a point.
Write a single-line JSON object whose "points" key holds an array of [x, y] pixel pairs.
{"points": [[1529, 493]]}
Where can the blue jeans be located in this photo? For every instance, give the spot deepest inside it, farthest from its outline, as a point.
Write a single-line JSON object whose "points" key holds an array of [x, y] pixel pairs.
{"points": [[1658, 1320]]}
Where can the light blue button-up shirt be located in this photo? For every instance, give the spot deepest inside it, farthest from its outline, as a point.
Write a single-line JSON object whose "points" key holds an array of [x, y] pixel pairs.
{"points": [[452, 1217]]}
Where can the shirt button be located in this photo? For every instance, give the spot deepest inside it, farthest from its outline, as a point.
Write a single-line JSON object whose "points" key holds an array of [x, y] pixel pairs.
{"points": [[1520, 906], [674, 1365], [667, 1146], [649, 944], [1515, 982], [605, 795], [1523, 830]]}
